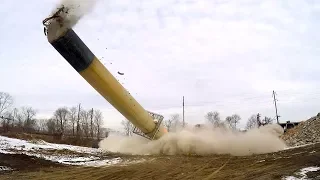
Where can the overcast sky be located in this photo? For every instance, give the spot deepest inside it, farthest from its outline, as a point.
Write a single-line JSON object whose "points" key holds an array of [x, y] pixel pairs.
{"points": [[223, 55]]}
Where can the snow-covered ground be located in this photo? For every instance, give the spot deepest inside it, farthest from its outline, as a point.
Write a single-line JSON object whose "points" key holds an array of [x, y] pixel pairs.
{"points": [[302, 174], [12, 143], [5, 168], [65, 154], [293, 147]]}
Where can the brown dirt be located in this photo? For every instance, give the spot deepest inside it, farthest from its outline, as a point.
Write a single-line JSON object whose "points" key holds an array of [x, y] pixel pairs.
{"points": [[258, 167], [24, 163]]}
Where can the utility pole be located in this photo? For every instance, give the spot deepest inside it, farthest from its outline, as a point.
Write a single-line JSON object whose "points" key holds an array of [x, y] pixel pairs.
{"points": [[258, 120], [275, 105], [183, 111]]}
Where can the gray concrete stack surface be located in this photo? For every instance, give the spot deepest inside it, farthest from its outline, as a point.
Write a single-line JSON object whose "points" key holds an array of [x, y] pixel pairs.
{"points": [[305, 133]]}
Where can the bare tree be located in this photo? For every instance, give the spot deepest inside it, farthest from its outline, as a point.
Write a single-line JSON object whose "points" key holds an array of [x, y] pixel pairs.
{"points": [[268, 120], [72, 116], [223, 125], [176, 122], [51, 126], [18, 116], [6, 101], [15, 112], [37, 125], [98, 121], [61, 116], [78, 121], [168, 124], [235, 120], [252, 122], [6, 120], [127, 126], [85, 122], [228, 121], [42, 125], [106, 134], [213, 118], [91, 123], [28, 114]]}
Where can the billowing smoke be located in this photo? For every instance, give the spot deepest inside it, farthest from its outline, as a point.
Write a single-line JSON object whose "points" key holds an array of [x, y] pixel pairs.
{"points": [[203, 141], [74, 10]]}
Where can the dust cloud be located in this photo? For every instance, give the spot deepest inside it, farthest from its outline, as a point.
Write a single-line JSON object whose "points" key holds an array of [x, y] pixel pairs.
{"points": [[74, 10], [201, 141], [66, 15]]}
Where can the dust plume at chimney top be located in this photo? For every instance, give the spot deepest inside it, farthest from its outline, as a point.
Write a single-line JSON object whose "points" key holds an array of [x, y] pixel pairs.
{"points": [[204, 141], [73, 10]]}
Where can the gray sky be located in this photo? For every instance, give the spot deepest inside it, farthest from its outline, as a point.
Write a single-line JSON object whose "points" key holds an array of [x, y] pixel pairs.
{"points": [[224, 55]]}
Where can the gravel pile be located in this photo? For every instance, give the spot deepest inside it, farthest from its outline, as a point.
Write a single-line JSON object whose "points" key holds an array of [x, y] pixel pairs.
{"points": [[305, 133]]}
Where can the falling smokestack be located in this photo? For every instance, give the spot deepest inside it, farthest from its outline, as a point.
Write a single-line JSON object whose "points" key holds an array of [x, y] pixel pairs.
{"points": [[79, 56]]}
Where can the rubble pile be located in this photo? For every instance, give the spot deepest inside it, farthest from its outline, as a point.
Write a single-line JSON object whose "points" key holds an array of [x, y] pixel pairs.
{"points": [[305, 133]]}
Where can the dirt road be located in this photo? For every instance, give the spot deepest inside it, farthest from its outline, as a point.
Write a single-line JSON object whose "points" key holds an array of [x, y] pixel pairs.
{"points": [[266, 166]]}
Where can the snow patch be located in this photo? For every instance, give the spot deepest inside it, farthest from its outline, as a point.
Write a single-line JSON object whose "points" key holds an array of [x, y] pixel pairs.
{"points": [[302, 174], [77, 155], [5, 168], [261, 161], [294, 147], [132, 162], [12, 143], [93, 163], [5, 152]]}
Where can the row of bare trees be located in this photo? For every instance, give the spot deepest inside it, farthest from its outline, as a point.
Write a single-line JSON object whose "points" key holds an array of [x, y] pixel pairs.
{"points": [[73, 121], [212, 117], [253, 121], [19, 118], [175, 123], [127, 127]]}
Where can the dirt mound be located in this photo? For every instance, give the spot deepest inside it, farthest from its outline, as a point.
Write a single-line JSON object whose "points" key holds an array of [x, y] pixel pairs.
{"points": [[306, 132], [21, 162]]}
